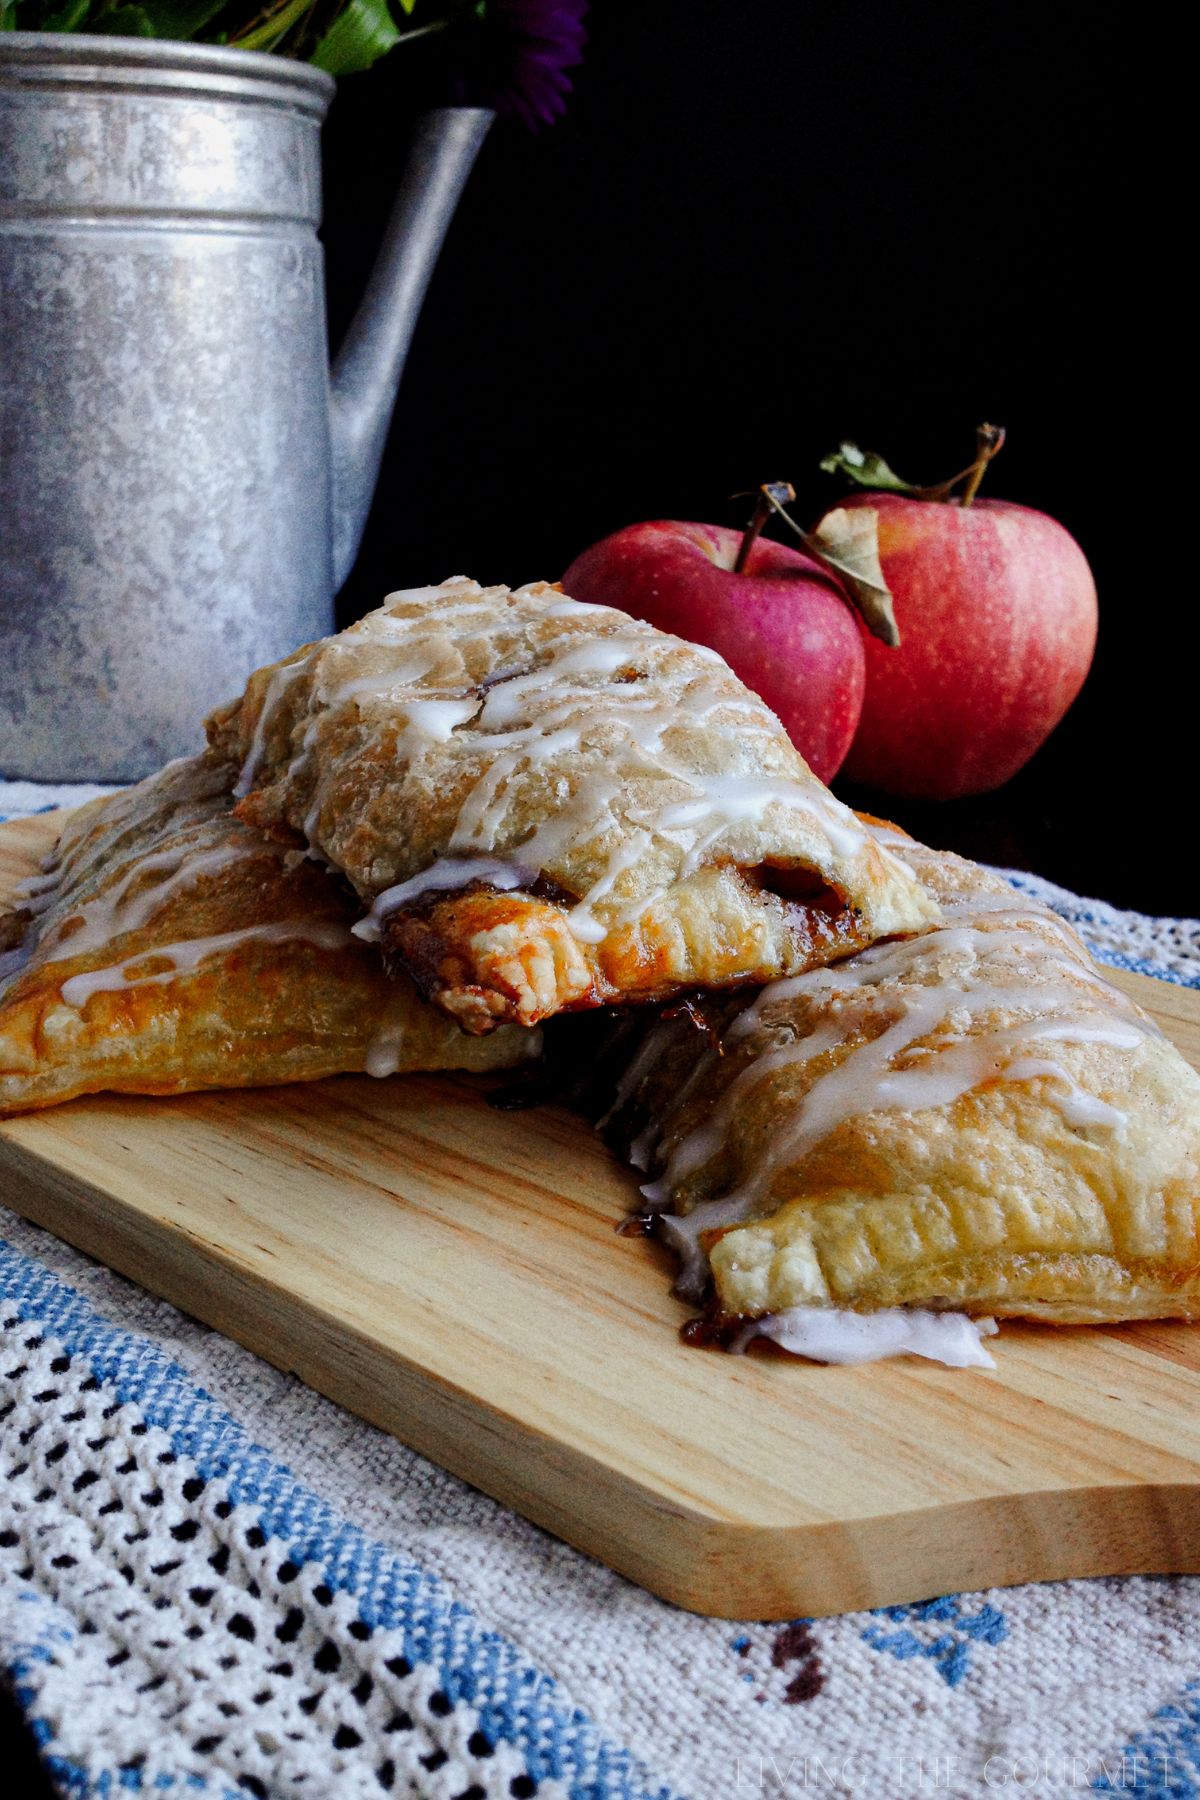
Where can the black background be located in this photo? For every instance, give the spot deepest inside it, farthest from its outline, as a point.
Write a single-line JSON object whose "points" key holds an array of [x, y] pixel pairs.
{"points": [[767, 225]]}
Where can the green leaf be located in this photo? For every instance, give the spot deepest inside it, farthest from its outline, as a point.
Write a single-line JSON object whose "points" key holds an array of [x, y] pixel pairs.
{"points": [[866, 469], [181, 19], [274, 28], [124, 21], [70, 18], [847, 540], [362, 33]]}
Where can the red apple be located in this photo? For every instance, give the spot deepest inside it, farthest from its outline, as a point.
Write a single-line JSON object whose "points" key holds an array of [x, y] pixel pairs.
{"points": [[996, 608], [783, 624]]}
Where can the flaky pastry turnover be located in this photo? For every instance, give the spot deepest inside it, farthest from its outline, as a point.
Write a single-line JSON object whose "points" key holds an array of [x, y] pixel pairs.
{"points": [[551, 806], [169, 947], [971, 1120]]}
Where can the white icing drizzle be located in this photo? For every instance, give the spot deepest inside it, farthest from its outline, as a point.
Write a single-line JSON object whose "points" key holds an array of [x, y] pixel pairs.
{"points": [[570, 609], [447, 875], [1078, 1107], [425, 722], [184, 807], [183, 797], [432, 722], [642, 1148], [277, 687], [530, 717], [829, 1334], [37, 904], [12, 962], [189, 953], [36, 893], [109, 846], [36, 884], [110, 915], [385, 1051], [420, 662], [886, 834], [627, 855], [727, 800], [593, 656], [647, 1054], [457, 596]]}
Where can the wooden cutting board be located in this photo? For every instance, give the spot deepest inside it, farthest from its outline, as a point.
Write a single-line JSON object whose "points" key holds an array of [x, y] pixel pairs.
{"points": [[453, 1274]]}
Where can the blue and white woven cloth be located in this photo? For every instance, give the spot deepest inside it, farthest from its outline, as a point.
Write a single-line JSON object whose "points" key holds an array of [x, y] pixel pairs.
{"points": [[214, 1582]]}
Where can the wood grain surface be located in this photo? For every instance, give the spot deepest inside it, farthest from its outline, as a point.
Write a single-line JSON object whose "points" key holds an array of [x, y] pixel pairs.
{"points": [[452, 1273]]}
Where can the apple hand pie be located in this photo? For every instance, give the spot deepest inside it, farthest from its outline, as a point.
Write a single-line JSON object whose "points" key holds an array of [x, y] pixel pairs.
{"points": [[969, 1121], [550, 806], [169, 947]]}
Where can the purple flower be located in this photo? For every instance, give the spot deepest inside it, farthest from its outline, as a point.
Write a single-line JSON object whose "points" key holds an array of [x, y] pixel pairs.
{"points": [[525, 50]]}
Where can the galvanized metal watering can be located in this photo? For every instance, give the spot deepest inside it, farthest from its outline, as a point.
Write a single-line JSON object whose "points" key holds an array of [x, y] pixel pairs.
{"points": [[183, 487]]}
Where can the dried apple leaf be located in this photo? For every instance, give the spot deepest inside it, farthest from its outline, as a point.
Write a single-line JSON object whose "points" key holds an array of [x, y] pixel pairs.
{"points": [[847, 541], [866, 469]]}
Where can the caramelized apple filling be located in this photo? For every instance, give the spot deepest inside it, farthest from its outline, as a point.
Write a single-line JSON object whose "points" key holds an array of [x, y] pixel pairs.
{"points": [[488, 955]]}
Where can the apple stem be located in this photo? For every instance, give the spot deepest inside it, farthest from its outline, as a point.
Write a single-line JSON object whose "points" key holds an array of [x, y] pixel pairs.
{"points": [[989, 440], [773, 496], [867, 470]]}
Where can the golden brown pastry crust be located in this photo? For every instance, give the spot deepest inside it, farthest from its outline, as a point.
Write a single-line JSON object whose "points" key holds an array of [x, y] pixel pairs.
{"points": [[171, 948], [970, 1119], [486, 956], [628, 818]]}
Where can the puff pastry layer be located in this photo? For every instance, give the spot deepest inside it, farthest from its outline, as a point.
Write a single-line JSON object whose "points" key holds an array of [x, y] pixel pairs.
{"points": [[552, 806], [970, 1119], [170, 947]]}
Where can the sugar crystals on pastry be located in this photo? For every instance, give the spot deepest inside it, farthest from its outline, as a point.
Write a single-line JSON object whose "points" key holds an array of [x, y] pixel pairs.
{"points": [[551, 806], [168, 947], [967, 1121]]}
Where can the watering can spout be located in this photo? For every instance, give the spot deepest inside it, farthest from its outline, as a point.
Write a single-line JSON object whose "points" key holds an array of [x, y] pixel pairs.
{"points": [[367, 370]]}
